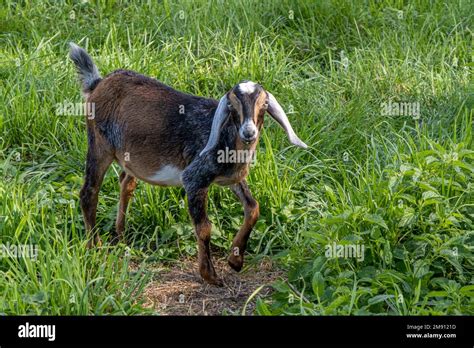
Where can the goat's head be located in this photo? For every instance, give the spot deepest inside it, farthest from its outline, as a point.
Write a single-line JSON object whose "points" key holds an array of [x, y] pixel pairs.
{"points": [[247, 102]]}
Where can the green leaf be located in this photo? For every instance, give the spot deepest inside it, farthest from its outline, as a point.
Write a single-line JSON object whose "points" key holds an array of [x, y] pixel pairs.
{"points": [[280, 286], [429, 194], [376, 219], [318, 284], [338, 302], [408, 217], [319, 263], [431, 159], [406, 168], [393, 181], [467, 290], [262, 308], [330, 193], [465, 165], [421, 268], [379, 298], [437, 294], [387, 252], [333, 220], [39, 297]]}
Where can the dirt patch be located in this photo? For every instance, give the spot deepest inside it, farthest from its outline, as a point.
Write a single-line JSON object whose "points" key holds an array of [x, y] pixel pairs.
{"points": [[179, 290]]}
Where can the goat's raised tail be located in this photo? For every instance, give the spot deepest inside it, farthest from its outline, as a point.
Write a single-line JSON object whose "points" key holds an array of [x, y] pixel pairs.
{"points": [[86, 69]]}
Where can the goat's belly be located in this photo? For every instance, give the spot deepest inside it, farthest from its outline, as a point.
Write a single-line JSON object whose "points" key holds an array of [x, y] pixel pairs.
{"points": [[167, 175]]}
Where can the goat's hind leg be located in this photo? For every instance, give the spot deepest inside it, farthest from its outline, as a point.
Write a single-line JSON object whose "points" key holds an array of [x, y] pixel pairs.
{"points": [[98, 160], [128, 183], [251, 214]]}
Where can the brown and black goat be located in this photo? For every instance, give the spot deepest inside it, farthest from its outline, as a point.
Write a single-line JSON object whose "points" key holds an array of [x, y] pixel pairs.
{"points": [[170, 138]]}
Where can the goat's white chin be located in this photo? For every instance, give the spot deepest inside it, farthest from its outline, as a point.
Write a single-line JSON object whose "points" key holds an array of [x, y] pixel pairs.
{"points": [[248, 141]]}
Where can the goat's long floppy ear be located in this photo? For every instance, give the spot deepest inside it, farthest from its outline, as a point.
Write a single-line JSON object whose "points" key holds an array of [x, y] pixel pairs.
{"points": [[220, 116], [276, 111]]}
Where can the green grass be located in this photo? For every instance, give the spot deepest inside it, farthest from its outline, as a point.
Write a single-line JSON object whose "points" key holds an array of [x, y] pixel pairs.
{"points": [[400, 186]]}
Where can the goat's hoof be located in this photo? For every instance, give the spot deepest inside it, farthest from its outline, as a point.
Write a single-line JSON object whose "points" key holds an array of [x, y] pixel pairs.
{"points": [[94, 242], [214, 281], [115, 240], [235, 262], [211, 278]]}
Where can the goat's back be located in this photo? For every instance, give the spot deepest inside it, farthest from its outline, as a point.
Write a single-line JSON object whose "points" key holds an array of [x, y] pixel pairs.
{"points": [[148, 121]]}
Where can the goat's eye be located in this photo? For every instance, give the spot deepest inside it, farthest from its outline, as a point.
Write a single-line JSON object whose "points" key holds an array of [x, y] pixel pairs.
{"points": [[265, 105], [229, 106]]}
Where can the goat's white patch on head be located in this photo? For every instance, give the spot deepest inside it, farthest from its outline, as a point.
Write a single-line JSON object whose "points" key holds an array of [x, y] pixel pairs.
{"points": [[247, 87], [167, 176]]}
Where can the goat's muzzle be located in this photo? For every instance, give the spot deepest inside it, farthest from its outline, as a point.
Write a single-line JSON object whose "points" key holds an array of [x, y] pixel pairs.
{"points": [[248, 132]]}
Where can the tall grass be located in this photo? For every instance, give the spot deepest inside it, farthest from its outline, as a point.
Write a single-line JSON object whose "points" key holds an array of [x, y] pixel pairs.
{"points": [[331, 64]]}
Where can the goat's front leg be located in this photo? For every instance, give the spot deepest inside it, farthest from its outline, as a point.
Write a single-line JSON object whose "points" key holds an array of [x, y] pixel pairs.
{"points": [[251, 214], [197, 202]]}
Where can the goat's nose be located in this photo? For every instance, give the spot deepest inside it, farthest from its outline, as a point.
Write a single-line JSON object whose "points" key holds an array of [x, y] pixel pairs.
{"points": [[248, 133]]}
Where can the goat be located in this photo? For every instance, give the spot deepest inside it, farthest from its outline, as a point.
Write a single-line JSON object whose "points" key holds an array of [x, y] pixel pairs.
{"points": [[169, 138]]}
